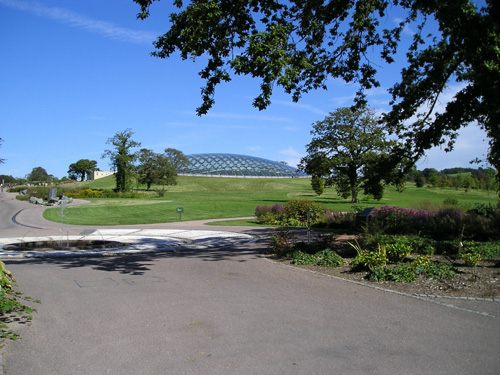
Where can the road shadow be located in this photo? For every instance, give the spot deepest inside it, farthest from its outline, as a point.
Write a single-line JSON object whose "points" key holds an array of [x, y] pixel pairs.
{"points": [[139, 264]]}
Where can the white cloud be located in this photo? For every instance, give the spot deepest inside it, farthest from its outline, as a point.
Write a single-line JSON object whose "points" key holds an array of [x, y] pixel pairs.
{"points": [[305, 107], [470, 144], [292, 156], [106, 29], [407, 30]]}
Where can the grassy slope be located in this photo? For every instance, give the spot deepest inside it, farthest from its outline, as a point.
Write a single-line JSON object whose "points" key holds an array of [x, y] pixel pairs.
{"points": [[213, 198]]}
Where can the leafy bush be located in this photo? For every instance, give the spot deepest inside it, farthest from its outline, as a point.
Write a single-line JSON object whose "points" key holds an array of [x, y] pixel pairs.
{"points": [[396, 220], [471, 259], [396, 252], [295, 212], [421, 262], [264, 215], [402, 273], [447, 223], [338, 220], [328, 258], [6, 278], [292, 213], [440, 271], [369, 259], [418, 244], [324, 258], [486, 249], [443, 224], [301, 258], [90, 193], [9, 303], [282, 242]]}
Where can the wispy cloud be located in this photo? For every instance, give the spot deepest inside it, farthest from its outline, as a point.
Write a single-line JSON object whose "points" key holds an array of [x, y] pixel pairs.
{"points": [[95, 118], [290, 151], [341, 101], [103, 28], [291, 156], [304, 107], [242, 116], [407, 29]]}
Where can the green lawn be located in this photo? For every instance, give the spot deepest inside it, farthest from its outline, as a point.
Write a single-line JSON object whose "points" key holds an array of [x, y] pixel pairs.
{"points": [[214, 198]]}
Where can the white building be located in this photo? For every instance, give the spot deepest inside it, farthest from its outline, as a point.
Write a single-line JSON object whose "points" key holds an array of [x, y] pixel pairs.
{"points": [[100, 174]]}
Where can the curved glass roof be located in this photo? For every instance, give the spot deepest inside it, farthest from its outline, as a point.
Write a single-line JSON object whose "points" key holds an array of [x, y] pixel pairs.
{"points": [[233, 165]]}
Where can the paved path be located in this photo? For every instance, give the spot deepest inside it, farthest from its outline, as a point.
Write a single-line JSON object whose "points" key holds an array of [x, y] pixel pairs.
{"points": [[227, 311]]}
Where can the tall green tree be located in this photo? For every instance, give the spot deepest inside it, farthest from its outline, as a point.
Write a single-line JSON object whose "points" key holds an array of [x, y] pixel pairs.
{"points": [[419, 179], [433, 178], [122, 158], [155, 168], [176, 158], [82, 168], [39, 174], [348, 149], [301, 45]]}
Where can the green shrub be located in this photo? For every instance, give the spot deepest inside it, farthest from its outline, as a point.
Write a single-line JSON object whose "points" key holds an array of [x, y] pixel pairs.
{"points": [[486, 249], [396, 252], [421, 262], [324, 258], [440, 271], [90, 193], [328, 258], [282, 242], [6, 278], [301, 258], [369, 259], [9, 303], [418, 244], [402, 273], [295, 212], [471, 259]]}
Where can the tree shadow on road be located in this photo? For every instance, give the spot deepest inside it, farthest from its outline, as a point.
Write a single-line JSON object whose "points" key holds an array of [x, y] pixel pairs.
{"points": [[139, 264]]}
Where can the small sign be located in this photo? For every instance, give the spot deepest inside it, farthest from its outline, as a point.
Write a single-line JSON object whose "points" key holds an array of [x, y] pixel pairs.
{"points": [[366, 212], [180, 211]]}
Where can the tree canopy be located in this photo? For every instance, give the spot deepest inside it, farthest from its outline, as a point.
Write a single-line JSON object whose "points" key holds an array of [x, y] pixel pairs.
{"points": [[348, 150], [154, 168], [122, 158], [176, 158], [300, 45], [82, 168], [39, 174]]}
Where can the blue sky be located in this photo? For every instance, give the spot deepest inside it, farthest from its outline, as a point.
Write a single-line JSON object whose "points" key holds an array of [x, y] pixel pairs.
{"points": [[73, 73]]}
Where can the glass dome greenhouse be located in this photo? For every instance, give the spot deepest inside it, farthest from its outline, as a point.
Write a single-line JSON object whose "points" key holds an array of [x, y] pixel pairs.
{"points": [[233, 165]]}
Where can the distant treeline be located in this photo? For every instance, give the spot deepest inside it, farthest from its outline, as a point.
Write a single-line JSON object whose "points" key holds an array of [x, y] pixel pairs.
{"points": [[458, 178]]}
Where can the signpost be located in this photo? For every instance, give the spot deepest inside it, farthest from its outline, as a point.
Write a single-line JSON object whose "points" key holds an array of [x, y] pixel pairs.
{"points": [[366, 213], [180, 211], [308, 225]]}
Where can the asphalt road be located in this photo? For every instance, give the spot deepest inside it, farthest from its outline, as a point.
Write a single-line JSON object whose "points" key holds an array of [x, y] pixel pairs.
{"points": [[228, 311]]}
